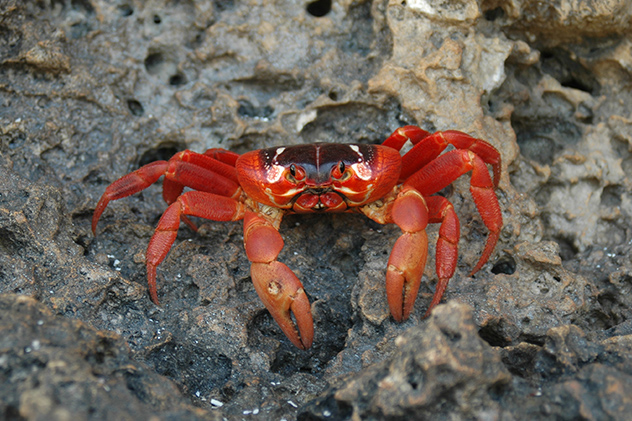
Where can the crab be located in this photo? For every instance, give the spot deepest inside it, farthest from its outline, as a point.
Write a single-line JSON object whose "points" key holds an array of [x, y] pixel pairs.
{"points": [[261, 186]]}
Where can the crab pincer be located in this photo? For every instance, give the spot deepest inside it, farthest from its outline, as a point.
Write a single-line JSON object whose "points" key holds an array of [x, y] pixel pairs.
{"points": [[277, 286], [408, 257]]}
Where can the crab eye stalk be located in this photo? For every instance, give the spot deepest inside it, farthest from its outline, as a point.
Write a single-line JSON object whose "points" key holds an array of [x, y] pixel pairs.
{"points": [[295, 173], [340, 171]]}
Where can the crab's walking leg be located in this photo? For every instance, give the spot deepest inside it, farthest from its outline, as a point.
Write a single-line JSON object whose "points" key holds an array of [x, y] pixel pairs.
{"points": [[200, 172], [194, 203], [440, 210], [408, 258], [223, 155], [127, 185], [450, 166], [429, 146], [278, 287], [212, 172]]}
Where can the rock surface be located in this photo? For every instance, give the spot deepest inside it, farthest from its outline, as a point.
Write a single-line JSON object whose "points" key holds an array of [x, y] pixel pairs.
{"points": [[92, 89]]}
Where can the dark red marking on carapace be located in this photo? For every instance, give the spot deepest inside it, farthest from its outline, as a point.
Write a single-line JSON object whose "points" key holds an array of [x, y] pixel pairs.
{"points": [[319, 177]]}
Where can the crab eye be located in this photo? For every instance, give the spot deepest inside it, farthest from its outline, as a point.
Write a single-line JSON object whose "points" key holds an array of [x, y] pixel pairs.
{"points": [[340, 171], [296, 173]]}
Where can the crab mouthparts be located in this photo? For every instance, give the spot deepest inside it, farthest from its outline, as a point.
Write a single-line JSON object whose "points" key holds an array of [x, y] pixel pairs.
{"points": [[318, 200]]}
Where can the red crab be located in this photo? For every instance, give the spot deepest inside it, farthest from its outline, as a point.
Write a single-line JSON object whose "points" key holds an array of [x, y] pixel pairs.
{"points": [[263, 185]]}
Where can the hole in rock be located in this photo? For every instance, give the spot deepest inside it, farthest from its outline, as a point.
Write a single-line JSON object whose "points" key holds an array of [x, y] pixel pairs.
{"points": [[506, 265], [319, 8], [135, 107]]}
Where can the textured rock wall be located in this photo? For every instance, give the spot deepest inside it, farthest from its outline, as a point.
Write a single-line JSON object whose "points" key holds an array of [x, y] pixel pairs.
{"points": [[92, 89]]}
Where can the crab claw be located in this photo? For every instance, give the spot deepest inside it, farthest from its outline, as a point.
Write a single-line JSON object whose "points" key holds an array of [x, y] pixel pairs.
{"points": [[282, 293], [403, 275], [408, 258], [278, 287]]}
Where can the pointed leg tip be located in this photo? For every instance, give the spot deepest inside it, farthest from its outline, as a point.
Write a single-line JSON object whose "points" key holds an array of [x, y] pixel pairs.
{"points": [[436, 300], [189, 223], [153, 295], [397, 316], [442, 284], [430, 308], [478, 266], [490, 245], [95, 221], [151, 283], [98, 211]]}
